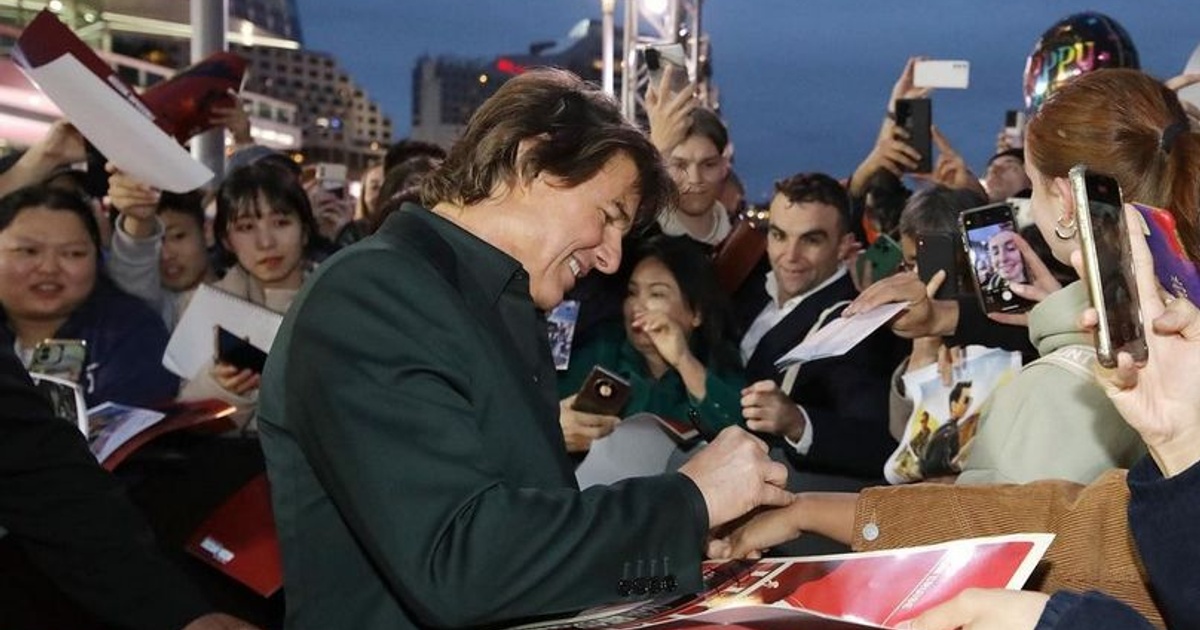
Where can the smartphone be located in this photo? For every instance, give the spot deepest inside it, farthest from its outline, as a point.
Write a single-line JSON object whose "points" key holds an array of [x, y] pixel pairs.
{"points": [[604, 393], [238, 351], [940, 251], [1014, 128], [659, 56], [915, 115], [332, 177], [62, 358], [1108, 266], [942, 73], [988, 238], [1174, 270], [884, 257]]}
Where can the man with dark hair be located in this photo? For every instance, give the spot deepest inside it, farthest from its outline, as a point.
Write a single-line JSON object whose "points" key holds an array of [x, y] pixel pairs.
{"points": [[834, 416], [1005, 176], [409, 412]]}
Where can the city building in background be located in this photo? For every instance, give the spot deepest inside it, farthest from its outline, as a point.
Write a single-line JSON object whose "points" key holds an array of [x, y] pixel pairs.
{"points": [[300, 101]]}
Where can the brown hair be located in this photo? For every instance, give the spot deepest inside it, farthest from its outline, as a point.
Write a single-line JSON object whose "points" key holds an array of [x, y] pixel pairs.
{"points": [[578, 130], [1126, 124]]}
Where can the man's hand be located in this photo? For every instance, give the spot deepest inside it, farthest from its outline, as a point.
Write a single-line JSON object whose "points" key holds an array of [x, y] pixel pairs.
{"points": [[984, 609], [331, 211], [581, 429], [951, 169], [768, 410], [925, 316], [669, 114], [735, 476], [234, 118], [904, 88]]}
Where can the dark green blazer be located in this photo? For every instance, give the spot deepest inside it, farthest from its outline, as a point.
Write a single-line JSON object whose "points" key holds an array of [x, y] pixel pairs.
{"points": [[419, 478]]}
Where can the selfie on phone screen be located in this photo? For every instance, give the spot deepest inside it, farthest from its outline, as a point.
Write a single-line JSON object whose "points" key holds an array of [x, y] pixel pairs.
{"points": [[990, 235]]}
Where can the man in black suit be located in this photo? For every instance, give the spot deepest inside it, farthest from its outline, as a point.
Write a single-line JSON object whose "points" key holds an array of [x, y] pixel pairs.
{"points": [[835, 419], [409, 413], [74, 523]]}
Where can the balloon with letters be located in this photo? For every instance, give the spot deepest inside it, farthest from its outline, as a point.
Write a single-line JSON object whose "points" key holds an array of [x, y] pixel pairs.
{"points": [[1076, 44]]}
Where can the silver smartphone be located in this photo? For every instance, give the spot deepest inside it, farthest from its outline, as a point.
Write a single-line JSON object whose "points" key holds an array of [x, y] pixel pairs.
{"points": [[1108, 266]]}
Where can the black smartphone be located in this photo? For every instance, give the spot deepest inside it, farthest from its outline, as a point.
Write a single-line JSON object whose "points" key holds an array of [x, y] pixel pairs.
{"points": [[604, 393], [1014, 128], [940, 251], [1108, 266], [915, 115], [989, 242], [239, 352]]}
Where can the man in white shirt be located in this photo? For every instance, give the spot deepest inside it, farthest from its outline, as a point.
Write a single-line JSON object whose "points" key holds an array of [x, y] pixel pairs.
{"points": [[836, 417]]}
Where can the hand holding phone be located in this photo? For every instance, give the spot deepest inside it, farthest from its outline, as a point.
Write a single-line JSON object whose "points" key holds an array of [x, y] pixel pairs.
{"points": [[603, 393], [884, 258], [238, 352], [989, 242], [1108, 266], [668, 59], [1014, 128]]}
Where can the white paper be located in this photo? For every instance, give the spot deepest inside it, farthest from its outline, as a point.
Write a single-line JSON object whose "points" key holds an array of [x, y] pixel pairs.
{"points": [[111, 425], [840, 335], [192, 344], [123, 134], [637, 447]]}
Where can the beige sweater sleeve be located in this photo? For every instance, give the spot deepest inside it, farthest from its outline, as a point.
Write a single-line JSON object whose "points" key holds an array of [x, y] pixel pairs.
{"points": [[1092, 550]]}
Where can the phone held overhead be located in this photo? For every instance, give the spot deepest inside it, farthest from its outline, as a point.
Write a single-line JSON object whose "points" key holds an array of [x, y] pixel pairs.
{"points": [[915, 116]]}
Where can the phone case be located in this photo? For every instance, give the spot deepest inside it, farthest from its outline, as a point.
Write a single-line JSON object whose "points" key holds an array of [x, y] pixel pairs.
{"points": [[1108, 269], [939, 252], [603, 393], [62, 358], [1174, 270], [976, 227], [915, 115], [884, 256]]}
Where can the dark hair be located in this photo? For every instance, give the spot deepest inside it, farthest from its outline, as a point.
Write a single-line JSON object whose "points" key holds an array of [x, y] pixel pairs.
{"points": [[240, 192], [575, 131], [190, 204], [935, 210], [1128, 125], [407, 149], [1017, 153], [51, 198], [888, 196], [817, 188], [706, 123], [713, 341], [957, 390]]}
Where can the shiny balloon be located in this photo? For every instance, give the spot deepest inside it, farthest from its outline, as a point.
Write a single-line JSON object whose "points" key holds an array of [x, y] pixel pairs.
{"points": [[1076, 44]]}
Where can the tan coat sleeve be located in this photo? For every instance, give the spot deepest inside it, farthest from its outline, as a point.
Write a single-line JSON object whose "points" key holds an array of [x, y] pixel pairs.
{"points": [[1092, 549]]}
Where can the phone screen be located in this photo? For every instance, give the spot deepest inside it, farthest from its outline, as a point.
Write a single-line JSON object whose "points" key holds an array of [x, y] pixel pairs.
{"points": [[989, 239], [1108, 266]]}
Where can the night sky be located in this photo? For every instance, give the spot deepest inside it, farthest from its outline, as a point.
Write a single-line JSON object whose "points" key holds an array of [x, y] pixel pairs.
{"points": [[803, 82]]}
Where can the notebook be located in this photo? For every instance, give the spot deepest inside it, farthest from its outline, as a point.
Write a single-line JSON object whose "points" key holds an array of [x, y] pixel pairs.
{"points": [[193, 344]]}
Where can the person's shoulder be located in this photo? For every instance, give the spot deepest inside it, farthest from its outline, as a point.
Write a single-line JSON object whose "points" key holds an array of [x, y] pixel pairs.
{"points": [[112, 306]]}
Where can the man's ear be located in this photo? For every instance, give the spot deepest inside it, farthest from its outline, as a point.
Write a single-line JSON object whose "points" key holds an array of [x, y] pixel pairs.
{"points": [[845, 244]]}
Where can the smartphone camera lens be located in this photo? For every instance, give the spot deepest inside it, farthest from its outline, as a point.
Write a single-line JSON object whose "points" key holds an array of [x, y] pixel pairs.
{"points": [[604, 388]]}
